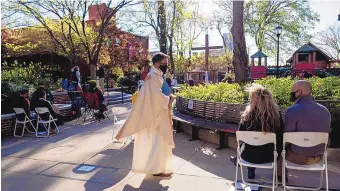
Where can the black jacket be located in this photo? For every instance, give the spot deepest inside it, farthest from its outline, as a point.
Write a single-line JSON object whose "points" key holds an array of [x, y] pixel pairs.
{"points": [[264, 153], [49, 95], [47, 104], [101, 72]]}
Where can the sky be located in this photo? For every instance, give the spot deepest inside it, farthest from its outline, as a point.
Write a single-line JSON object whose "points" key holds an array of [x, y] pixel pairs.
{"points": [[327, 9]]}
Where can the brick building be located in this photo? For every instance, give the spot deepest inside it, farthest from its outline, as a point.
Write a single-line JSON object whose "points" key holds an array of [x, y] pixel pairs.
{"points": [[133, 44]]}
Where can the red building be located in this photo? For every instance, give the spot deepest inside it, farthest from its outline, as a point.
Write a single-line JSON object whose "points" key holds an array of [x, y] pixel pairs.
{"points": [[310, 54], [133, 44]]}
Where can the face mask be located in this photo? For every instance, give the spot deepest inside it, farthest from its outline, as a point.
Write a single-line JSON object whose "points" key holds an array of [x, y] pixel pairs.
{"points": [[163, 68], [293, 96]]}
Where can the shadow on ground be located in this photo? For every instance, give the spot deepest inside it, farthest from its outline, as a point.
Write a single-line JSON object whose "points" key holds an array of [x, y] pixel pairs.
{"points": [[56, 163]]}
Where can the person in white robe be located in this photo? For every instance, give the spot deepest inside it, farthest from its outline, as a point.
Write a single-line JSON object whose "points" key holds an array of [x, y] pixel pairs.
{"points": [[150, 123]]}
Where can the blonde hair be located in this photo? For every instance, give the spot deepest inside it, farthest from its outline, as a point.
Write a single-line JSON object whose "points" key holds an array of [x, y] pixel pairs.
{"points": [[262, 107]]}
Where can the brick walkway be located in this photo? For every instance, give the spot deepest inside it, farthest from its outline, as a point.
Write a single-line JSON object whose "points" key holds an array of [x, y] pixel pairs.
{"points": [[34, 164]]}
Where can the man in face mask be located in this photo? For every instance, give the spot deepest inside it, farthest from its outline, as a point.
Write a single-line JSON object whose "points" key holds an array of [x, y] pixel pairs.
{"points": [[151, 124], [305, 115]]}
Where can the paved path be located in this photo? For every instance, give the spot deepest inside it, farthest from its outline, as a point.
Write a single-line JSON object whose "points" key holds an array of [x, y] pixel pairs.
{"points": [[33, 164]]}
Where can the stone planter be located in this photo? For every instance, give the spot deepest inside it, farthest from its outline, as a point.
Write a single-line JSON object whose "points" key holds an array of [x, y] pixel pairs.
{"points": [[214, 111]]}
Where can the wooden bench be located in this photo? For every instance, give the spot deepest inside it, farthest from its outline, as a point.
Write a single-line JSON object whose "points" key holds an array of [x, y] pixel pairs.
{"points": [[223, 129], [222, 117]]}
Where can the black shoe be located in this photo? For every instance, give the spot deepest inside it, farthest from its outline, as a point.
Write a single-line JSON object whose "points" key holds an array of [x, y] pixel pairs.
{"points": [[251, 174], [233, 159]]}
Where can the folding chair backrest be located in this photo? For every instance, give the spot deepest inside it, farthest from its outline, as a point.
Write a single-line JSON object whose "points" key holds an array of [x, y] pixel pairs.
{"points": [[42, 110], [19, 111], [255, 138], [305, 139]]}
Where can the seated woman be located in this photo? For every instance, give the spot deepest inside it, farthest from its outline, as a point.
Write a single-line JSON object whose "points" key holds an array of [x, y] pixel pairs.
{"points": [[94, 89], [262, 114]]}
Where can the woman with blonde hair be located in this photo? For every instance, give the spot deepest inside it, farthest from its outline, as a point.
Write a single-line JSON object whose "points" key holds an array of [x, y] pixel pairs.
{"points": [[262, 114]]}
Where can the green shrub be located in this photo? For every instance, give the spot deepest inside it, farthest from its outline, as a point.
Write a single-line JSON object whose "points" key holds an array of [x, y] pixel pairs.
{"points": [[280, 88], [117, 72], [323, 89], [29, 76], [221, 92]]}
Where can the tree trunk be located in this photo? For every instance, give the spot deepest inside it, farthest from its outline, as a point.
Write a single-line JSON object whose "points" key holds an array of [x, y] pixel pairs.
{"points": [[171, 36], [162, 26], [240, 57], [93, 72]]}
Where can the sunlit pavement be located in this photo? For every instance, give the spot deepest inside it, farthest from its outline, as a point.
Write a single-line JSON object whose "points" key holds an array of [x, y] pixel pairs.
{"points": [[84, 157]]}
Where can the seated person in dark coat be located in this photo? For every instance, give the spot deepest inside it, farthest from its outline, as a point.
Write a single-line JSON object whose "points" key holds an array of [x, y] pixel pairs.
{"points": [[42, 87], [262, 114], [49, 96], [42, 102], [22, 102]]}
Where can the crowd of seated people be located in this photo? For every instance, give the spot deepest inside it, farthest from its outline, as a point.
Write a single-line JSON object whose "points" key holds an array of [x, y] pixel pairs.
{"points": [[262, 114], [38, 99]]}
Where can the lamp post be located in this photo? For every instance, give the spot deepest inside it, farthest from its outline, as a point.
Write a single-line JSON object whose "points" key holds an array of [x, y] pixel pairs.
{"points": [[278, 33]]}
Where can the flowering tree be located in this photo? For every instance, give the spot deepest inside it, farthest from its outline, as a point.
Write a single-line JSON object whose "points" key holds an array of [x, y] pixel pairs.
{"points": [[72, 23]]}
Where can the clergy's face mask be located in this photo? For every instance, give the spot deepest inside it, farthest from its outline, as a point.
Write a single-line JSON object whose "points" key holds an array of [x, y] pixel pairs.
{"points": [[164, 65]]}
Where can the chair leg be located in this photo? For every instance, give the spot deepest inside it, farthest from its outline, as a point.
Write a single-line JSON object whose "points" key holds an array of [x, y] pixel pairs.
{"points": [[36, 132], [284, 170], [326, 172], [15, 129], [48, 129], [56, 127], [274, 174], [236, 171], [105, 113], [32, 127], [23, 130]]}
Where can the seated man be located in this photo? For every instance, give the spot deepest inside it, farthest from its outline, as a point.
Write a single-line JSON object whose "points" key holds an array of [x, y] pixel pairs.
{"points": [[42, 87], [23, 102], [49, 96], [42, 102], [305, 116]]}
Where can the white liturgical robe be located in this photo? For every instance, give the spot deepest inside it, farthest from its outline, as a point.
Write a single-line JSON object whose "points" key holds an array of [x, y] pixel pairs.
{"points": [[150, 122]]}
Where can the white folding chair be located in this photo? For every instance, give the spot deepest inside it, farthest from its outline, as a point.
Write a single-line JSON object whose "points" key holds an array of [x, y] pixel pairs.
{"points": [[305, 139], [115, 121], [21, 111], [44, 110], [256, 139]]}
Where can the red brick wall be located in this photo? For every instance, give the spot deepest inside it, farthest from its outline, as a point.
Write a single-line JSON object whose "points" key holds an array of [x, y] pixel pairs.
{"points": [[7, 127], [94, 11]]}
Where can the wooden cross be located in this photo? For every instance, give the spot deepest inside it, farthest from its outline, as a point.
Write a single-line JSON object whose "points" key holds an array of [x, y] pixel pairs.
{"points": [[207, 48]]}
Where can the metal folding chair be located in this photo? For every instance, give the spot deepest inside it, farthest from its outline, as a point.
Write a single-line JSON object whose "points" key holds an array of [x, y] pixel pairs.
{"points": [[21, 111], [43, 110], [305, 139], [115, 121], [91, 105], [256, 139]]}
